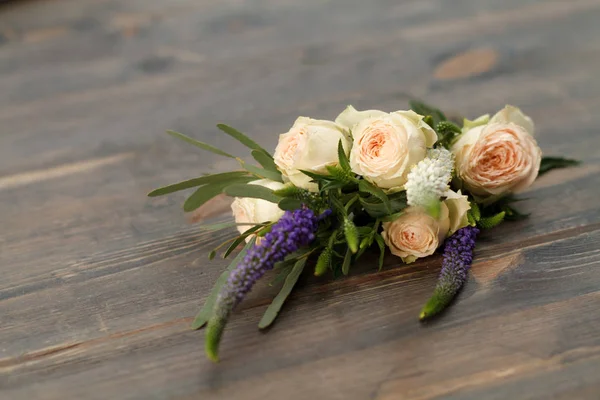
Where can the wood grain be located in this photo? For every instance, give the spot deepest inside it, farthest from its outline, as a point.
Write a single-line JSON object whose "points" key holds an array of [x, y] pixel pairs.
{"points": [[99, 283]]}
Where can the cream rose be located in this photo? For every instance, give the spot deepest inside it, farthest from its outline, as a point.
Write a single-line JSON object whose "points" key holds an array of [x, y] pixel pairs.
{"points": [[310, 145], [386, 145], [416, 234], [499, 156], [255, 211]]}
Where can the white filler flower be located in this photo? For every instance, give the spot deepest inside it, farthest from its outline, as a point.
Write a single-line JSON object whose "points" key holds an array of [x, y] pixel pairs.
{"points": [[430, 178]]}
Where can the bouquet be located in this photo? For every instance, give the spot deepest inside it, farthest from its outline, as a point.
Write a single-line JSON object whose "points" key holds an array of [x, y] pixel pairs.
{"points": [[408, 182]]}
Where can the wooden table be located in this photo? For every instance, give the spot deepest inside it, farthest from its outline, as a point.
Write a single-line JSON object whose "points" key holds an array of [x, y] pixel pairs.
{"points": [[99, 283]]}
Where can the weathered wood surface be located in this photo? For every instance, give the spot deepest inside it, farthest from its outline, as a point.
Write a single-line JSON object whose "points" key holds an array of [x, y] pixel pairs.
{"points": [[99, 284]]}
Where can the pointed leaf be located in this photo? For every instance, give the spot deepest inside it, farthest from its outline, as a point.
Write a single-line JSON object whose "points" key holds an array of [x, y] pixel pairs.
{"points": [[367, 187], [207, 309], [252, 191], [381, 244], [343, 158], [263, 173], [265, 159], [240, 239], [207, 192], [239, 136], [347, 262], [275, 306], [424, 109], [491, 222], [197, 143], [289, 204], [203, 180], [550, 163]]}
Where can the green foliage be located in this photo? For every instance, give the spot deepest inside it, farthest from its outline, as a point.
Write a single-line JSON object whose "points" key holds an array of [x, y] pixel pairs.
{"points": [[366, 187], [241, 238], [206, 312], [343, 158], [197, 143], [426, 110], [323, 262], [203, 180], [512, 214], [376, 209], [491, 222], [239, 136], [261, 172], [550, 163], [381, 244], [347, 261], [207, 192], [325, 258], [447, 132], [275, 306], [289, 204], [265, 160], [351, 234], [252, 191]]}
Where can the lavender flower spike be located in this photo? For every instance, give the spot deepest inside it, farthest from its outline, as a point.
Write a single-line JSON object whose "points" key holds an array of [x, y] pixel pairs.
{"points": [[292, 231], [457, 259]]}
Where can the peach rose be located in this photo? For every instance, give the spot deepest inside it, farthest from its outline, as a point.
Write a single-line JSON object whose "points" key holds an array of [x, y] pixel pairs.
{"points": [[416, 234], [499, 156], [255, 211], [386, 145], [310, 145]]}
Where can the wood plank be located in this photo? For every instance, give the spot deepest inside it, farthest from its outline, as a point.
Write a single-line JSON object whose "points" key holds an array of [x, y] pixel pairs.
{"points": [[99, 284]]}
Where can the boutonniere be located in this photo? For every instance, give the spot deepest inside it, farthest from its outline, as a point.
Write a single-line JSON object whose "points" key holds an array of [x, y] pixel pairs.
{"points": [[410, 182]]}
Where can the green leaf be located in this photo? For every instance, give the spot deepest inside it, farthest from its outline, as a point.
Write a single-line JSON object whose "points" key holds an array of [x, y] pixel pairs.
{"points": [[550, 163], [203, 180], [381, 244], [323, 262], [369, 188], [317, 177], [265, 159], [207, 192], [475, 211], [224, 225], [378, 210], [275, 306], [513, 214], [239, 136], [240, 239], [289, 204], [343, 158], [491, 222], [197, 143], [212, 254], [252, 191], [207, 309], [424, 109], [263, 173], [351, 234], [347, 261], [392, 217]]}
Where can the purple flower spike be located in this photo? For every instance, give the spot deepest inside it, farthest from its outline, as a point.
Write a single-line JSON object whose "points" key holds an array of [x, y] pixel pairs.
{"points": [[294, 230], [457, 259]]}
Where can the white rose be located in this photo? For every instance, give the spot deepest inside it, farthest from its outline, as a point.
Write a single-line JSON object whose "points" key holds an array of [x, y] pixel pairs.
{"points": [[310, 145], [416, 234], [499, 156], [458, 206], [256, 211], [386, 145]]}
